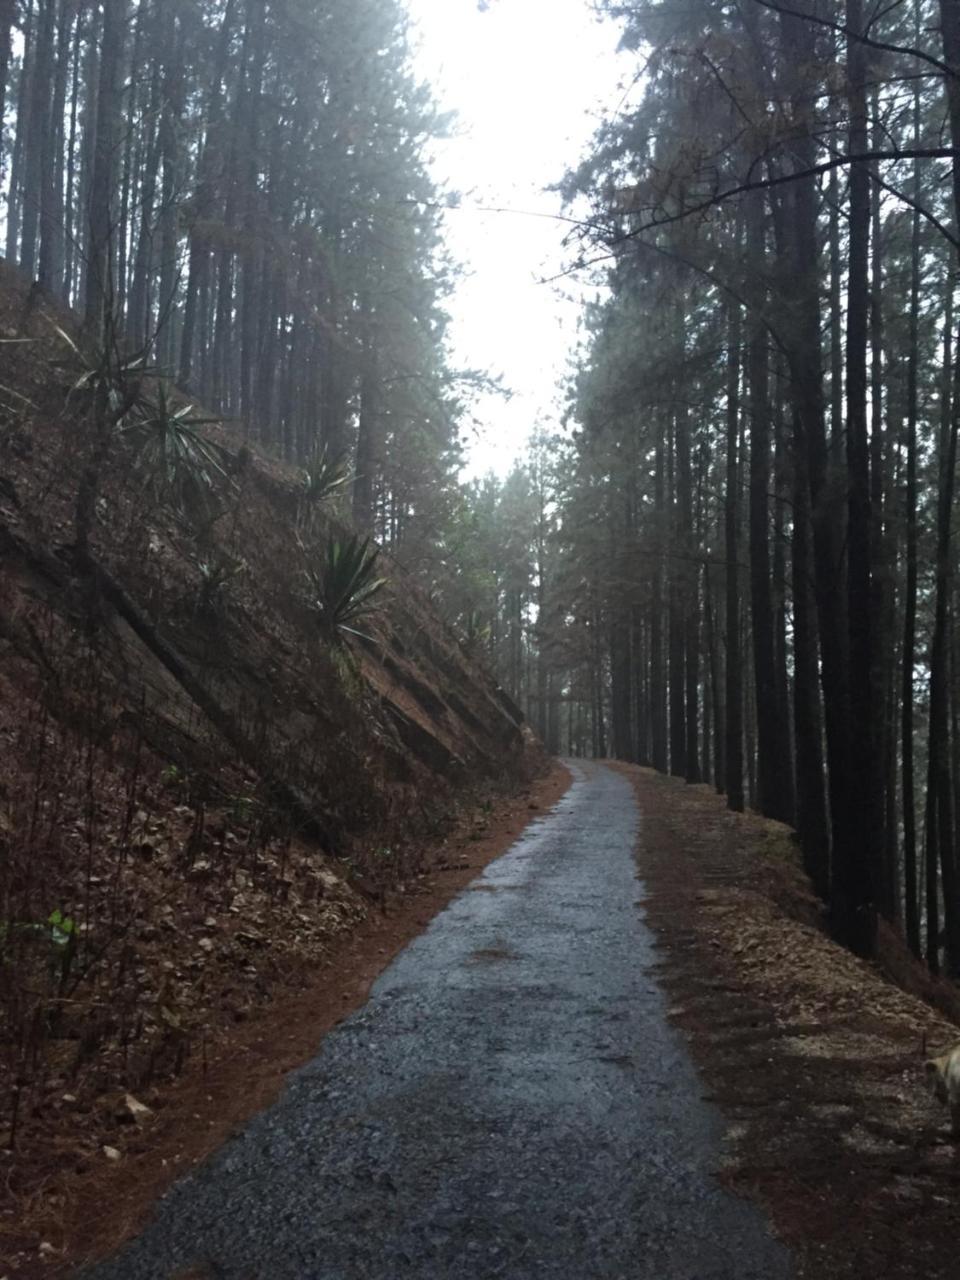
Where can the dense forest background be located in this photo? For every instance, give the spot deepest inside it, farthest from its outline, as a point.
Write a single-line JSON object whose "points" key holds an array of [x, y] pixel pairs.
{"points": [[738, 565], [734, 561], [242, 187]]}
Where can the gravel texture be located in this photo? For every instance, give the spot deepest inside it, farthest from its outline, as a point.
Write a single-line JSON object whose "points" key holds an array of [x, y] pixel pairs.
{"points": [[510, 1102]]}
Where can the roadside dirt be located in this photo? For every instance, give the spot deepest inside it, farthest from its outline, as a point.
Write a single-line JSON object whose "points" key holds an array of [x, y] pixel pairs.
{"points": [[815, 1059], [77, 1217]]}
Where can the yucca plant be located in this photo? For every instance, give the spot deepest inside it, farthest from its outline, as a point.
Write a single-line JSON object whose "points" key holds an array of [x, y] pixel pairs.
{"points": [[178, 464], [105, 375], [216, 573], [345, 589], [108, 383], [477, 632], [324, 474]]}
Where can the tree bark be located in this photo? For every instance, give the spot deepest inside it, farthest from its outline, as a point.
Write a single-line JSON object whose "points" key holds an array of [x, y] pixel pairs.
{"points": [[733, 700], [858, 806], [100, 284]]}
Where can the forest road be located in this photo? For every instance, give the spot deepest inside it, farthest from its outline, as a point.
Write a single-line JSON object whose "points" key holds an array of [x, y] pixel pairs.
{"points": [[511, 1102]]}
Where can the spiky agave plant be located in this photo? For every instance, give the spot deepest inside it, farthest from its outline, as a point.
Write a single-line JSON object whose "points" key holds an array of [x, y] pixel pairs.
{"points": [[344, 590], [178, 464], [324, 474], [476, 630], [106, 381], [105, 374], [216, 572]]}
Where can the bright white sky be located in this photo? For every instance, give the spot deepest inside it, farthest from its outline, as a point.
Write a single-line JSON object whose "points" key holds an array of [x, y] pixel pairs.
{"points": [[528, 80]]}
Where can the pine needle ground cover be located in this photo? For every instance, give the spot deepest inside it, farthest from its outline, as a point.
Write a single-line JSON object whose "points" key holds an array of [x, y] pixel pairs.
{"points": [[815, 1057]]}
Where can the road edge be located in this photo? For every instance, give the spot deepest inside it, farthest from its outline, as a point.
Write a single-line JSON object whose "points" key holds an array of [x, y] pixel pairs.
{"points": [[100, 1210]]}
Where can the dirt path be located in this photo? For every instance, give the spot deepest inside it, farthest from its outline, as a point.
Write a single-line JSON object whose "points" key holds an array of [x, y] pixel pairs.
{"points": [[511, 1101]]}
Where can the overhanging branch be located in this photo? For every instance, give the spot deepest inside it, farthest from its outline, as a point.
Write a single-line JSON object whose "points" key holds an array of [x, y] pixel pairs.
{"points": [[842, 29], [779, 180]]}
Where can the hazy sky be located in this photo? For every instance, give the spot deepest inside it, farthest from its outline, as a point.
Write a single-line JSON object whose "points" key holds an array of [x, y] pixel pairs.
{"points": [[527, 79]]}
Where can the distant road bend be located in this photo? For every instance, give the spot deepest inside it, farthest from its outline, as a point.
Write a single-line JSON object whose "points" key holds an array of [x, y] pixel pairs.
{"points": [[511, 1102]]}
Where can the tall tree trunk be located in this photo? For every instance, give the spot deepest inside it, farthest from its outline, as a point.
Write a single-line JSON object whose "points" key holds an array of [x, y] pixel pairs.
{"points": [[53, 207], [658, 681], [687, 579], [780, 647], [939, 809], [812, 822], [911, 909], [801, 327], [858, 806], [733, 710], [640, 664], [100, 284], [198, 271], [716, 687], [676, 596], [139, 308], [20, 138], [938, 772], [692, 675], [8, 16], [368, 425], [173, 45], [71, 195], [621, 700], [251, 299], [88, 148], [38, 166], [774, 785], [49, 121]]}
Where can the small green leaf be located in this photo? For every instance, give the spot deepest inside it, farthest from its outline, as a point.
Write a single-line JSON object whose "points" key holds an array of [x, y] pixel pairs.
{"points": [[62, 928]]}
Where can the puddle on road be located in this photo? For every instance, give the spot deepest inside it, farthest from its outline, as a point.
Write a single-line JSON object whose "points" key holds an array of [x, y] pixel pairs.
{"points": [[494, 888], [491, 955]]}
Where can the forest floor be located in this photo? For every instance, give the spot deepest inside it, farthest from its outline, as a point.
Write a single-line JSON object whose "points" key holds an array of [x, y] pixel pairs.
{"points": [[813, 1056], [82, 1205]]}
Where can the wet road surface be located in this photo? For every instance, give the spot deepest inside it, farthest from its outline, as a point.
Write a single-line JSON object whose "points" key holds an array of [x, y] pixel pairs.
{"points": [[510, 1102]]}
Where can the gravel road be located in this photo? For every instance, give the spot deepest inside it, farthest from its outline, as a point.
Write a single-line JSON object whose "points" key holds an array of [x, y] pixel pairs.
{"points": [[511, 1102]]}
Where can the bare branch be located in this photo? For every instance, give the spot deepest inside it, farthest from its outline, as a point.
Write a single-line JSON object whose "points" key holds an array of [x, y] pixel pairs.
{"points": [[779, 180], [843, 30]]}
